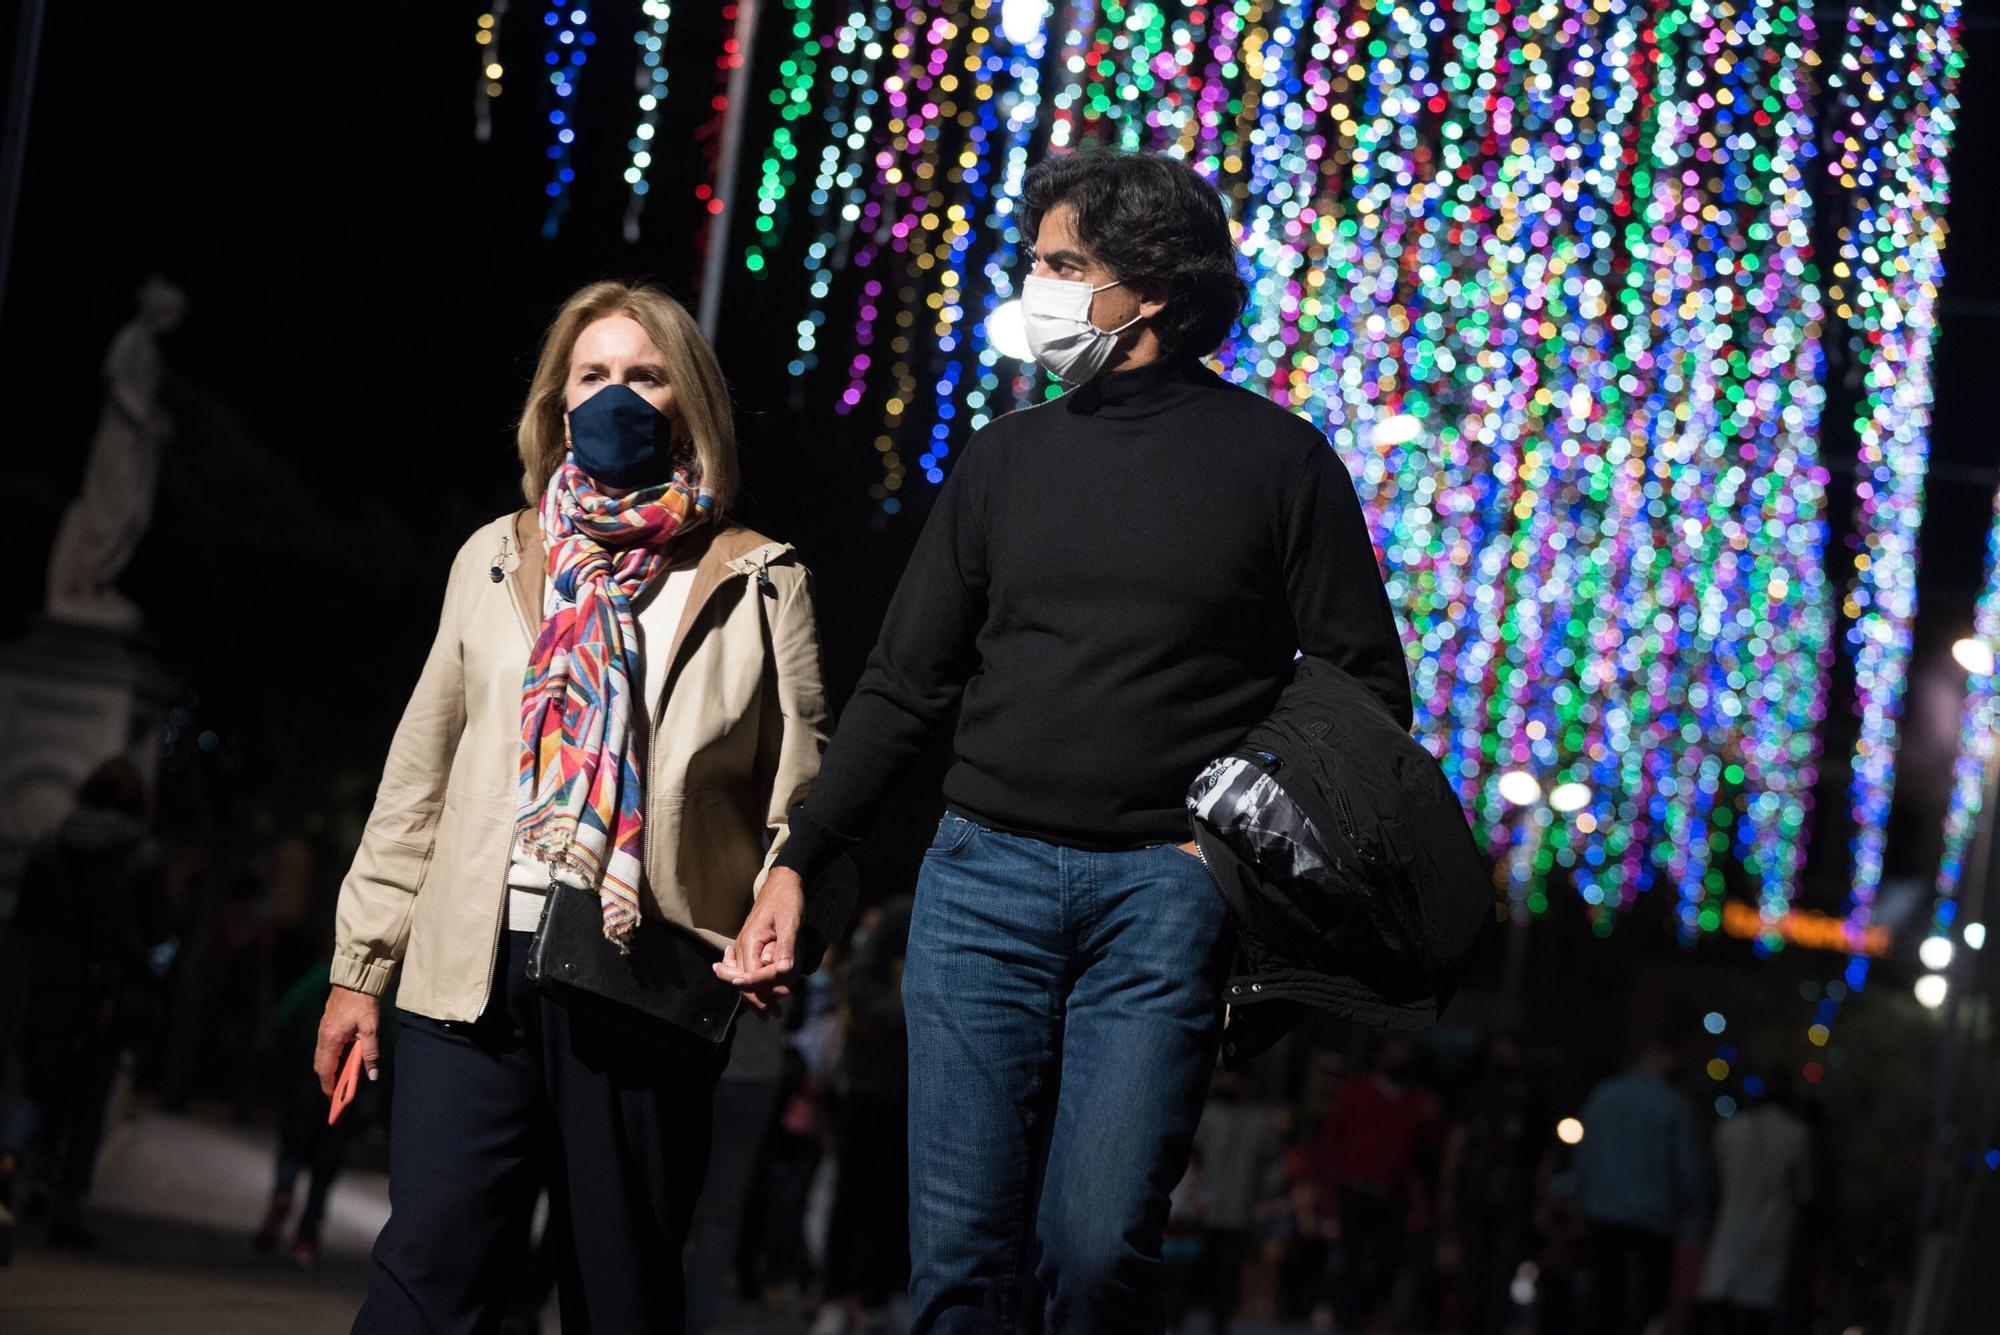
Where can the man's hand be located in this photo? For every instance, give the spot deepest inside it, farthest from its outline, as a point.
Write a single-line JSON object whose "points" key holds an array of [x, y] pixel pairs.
{"points": [[351, 1017], [759, 962]]}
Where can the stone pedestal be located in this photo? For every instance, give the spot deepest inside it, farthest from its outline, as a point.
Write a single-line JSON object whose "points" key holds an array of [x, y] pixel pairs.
{"points": [[72, 697]]}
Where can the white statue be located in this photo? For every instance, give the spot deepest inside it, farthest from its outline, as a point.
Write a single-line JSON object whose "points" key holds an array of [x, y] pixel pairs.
{"points": [[112, 510]]}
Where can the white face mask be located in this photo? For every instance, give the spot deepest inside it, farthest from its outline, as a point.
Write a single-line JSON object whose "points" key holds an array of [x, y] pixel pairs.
{"points": [[1060, 334]]}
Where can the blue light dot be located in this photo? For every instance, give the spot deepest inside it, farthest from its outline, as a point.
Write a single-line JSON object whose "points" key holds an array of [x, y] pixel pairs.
{"points": [[1713, 1022]]}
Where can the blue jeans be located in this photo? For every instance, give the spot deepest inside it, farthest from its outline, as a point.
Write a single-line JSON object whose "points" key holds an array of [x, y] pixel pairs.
{"points": [[1062, 999]]}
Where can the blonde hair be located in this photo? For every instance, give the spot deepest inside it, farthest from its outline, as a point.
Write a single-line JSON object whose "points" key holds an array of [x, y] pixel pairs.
{"points": [[700, 395]]}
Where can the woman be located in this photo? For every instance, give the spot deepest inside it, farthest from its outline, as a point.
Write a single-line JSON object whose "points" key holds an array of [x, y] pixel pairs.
{"points": [[685, 653]]}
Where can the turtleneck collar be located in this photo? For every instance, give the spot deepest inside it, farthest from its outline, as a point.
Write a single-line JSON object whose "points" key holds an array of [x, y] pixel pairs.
{"points": [[1143, 391]]}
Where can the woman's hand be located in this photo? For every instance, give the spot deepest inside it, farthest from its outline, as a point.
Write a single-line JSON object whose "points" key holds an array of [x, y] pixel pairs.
{"points": [[759, 962], [351, 1017]]}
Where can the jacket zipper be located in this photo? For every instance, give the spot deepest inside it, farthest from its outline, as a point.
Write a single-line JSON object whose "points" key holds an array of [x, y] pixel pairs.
{"points": [[1340, 806]]}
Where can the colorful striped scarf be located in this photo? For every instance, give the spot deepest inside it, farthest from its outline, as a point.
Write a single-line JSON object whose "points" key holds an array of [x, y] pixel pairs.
{"points": [[581, 807]]}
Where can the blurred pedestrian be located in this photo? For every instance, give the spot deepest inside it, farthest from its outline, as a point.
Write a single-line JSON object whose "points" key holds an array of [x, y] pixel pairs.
{"points": [[1243, 1175], [1495, 1164], [90, 911], [1372, 1142], [1764, 1166], [308, 1146], [1640, 1185], [868, 1244], [672, 711]]}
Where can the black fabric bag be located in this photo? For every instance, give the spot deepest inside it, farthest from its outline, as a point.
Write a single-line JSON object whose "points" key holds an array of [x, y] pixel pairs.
{"points": [[1347, 863], [663, 993]]}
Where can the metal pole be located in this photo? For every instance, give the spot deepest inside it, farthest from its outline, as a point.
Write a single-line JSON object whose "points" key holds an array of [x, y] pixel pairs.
{"points": [[716, 263], [13, 162]]}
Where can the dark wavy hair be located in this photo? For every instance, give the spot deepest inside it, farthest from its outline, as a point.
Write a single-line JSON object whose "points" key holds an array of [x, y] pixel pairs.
{"points": [[1150, 217]]}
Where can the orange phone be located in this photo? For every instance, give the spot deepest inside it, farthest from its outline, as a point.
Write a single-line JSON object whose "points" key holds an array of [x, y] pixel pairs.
{"points": [[349, 1081]]}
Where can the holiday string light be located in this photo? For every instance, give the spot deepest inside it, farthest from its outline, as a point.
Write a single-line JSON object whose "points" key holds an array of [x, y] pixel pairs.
{"points": [[570, 40], [1978, 728], [1891, 125], [1573, 246], [650, 80], [922, 144], [1544, 272], [486, 36]]}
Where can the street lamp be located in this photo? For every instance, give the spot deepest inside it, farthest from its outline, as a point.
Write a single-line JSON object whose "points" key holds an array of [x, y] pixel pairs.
{"points": [[1398, 430], [1974, 655], [1570, 798]]}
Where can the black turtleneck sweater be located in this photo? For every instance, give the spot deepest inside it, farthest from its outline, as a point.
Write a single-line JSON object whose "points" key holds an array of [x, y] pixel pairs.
{"points": [[1116, 584]]}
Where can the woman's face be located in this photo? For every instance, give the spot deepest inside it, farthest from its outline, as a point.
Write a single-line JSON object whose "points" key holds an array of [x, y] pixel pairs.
{"points": [[616, 351]]}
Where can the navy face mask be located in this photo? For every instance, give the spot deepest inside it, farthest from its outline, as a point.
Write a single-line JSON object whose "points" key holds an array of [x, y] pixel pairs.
{"points": [[621, 440]]}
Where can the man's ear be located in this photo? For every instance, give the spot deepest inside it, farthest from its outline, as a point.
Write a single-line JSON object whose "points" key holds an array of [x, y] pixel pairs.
{"points": [[1153, 294]]}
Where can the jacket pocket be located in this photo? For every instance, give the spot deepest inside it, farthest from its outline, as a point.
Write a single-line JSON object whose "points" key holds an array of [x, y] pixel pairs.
{"points": [[720, 852]]}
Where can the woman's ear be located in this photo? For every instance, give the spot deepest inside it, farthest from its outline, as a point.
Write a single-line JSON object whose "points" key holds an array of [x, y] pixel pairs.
{"points": [[1153, 295]]}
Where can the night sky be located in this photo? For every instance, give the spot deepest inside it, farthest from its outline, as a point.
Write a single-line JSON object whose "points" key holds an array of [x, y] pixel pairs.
{"points": [[367, 286]]}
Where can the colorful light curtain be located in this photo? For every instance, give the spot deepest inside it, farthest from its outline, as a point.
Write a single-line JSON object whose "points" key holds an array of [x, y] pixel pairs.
{"points": [[1891, 125], [1544, 273]]}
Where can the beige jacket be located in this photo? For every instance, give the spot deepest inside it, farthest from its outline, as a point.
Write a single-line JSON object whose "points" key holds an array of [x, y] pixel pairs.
{"points": [[731, 744]]}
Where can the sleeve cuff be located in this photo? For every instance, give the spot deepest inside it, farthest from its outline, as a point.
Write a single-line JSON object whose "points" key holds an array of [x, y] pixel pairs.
{"points": [[362, 975], [809, 846]]}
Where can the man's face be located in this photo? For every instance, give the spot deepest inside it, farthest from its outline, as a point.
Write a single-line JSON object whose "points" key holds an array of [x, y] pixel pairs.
{"points": [[1061, 255]]}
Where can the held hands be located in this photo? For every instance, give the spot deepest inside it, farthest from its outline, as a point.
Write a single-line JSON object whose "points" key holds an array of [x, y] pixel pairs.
{"points": [[759, 962], [351, 1017]]}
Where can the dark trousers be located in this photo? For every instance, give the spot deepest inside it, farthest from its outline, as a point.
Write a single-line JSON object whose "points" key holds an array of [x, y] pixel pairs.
{"points": [[1631, 1274], [1372, 1250], [487, 1112], [743, 1112], [66, 1087], [868, 1245]]}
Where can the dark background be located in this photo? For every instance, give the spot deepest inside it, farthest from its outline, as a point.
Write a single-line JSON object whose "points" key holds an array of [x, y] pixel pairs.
{"points": [[368, 283]]}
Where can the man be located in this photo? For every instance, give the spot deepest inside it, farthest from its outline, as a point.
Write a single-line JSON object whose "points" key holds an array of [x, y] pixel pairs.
{"points": [[1641, 1185], [1111, 588]]}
